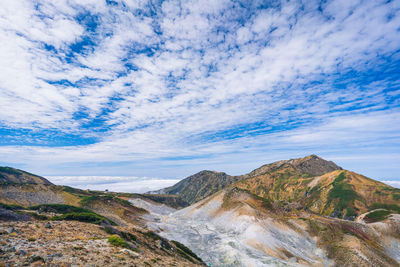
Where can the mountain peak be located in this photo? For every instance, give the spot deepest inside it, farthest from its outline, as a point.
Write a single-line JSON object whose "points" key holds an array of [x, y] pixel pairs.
{"points": [[311, 164]]}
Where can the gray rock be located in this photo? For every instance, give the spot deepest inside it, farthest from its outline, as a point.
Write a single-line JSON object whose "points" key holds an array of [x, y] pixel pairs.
{"points": [[10, 230], [48, 225]]}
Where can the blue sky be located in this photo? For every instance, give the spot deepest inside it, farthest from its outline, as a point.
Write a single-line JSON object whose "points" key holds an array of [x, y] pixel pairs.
{"points": [[167, 88]]}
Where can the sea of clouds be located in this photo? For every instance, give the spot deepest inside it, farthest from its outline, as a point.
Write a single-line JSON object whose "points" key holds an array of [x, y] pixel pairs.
{"points": [[127, 184]]}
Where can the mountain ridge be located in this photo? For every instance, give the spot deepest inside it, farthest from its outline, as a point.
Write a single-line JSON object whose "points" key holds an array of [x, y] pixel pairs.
{"points": [[205, 183], [17, 176]]}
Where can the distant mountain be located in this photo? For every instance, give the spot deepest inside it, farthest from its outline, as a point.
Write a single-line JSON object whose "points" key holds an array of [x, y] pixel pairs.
{"points": [[205, 183], [16, 176], [200, 185]]}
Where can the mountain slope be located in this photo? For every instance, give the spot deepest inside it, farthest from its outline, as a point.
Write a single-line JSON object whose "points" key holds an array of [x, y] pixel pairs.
{"points": [[340, 193], [16, 176], [237, 228], [200, 185], [311, 165], [205, 183]]}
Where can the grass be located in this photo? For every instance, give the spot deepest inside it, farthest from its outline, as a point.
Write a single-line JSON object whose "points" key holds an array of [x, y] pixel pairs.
{"points": [[117, 241], [378, 215], [89, 217]]}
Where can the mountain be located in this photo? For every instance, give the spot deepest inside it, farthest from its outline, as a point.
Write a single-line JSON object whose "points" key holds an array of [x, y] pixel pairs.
{"points": [[340, 193], [311, 165], [298, 212], [200, 185], [237, 228], [47, 224], [310, 182], [16, 176], [205, 183]]}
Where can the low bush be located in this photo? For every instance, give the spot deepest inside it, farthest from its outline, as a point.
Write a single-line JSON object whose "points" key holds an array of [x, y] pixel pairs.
{"points": [[117, 241], [185, 251], [10, 206], [391, 207], [376, 216], [88, 217], [59, 208]]}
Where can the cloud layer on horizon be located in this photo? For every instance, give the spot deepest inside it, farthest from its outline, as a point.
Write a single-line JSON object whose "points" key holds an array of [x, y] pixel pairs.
{"points": [[155, 87]]}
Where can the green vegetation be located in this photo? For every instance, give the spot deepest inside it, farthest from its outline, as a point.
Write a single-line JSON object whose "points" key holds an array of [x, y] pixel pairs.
{"points": [[59, 208], [396, 196], [380, 193], [108, 197], [89, 217], [268, 203], [10, 206], [391, 207], [72, 190], [117, 241], [152, 235], [186, 252], [350, 212], [343, 192], [128, 236], [376, 216], [10, 170]]}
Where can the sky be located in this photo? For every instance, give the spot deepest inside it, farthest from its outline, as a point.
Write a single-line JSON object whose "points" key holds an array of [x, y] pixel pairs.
{"points": [[164, 89]]}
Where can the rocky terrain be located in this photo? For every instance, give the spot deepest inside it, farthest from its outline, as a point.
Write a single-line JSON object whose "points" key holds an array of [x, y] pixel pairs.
{"points": [[298, 212], [66, 243], [237, 228], [45, 224]]}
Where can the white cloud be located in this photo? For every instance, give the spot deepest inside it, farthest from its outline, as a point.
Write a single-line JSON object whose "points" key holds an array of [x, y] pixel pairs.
{"points": [[113, 183], [201, 68], [393, 183]]}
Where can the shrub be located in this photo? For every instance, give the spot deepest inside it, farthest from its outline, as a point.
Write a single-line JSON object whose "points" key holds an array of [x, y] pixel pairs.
{"points": [[378, 215], [88, 200], [9, 170], [343, 192], [396, 197], [10, 206], [391, 207], [117, 241], [185, 251], [59, 208], [88, 217]]}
